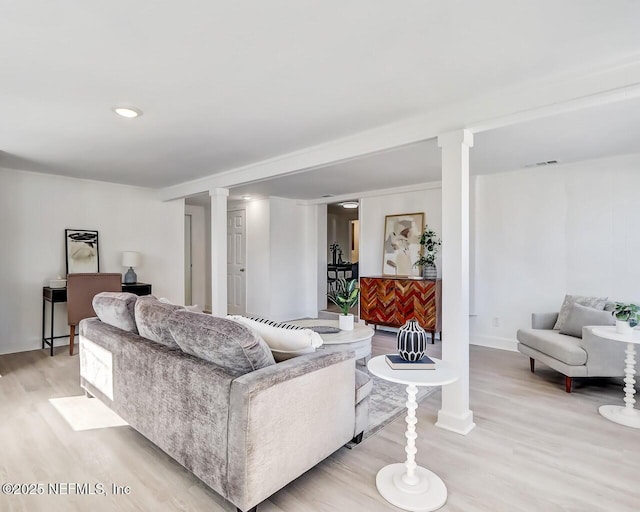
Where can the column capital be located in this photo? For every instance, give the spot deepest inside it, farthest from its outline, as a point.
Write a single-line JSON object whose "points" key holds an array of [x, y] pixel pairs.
{"points": [[456, 137], [220, 192]]}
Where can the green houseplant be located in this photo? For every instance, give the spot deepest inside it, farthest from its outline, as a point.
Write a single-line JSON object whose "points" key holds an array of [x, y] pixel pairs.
{"points": [[345, 297], [430, 245], [627, 316]]}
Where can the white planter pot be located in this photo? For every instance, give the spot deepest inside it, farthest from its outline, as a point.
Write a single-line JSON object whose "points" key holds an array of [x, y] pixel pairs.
{"points": [[623, 327], [345, 322]]}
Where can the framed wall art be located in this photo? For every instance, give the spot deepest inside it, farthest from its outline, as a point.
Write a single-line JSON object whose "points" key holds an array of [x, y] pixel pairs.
{"points": [[402, 244], [81, 248]]}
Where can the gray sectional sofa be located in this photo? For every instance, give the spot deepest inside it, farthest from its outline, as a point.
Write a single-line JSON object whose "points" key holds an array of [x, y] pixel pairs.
{"points": [[207, 392]]}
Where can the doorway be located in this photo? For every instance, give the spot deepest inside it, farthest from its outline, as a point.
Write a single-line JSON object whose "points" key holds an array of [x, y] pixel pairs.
{"points": [[197, 252], [236, 262], [343, 247]]}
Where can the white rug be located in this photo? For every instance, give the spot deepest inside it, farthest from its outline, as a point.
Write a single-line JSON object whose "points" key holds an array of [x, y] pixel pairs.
{"points": [[82, 413]]}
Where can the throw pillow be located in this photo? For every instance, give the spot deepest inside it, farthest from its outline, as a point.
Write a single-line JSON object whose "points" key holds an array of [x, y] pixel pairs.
{"points": [[228, 344], [284, 340], [152, 317], [569, 300], [283, 325], [116, 309], [579, 316]]}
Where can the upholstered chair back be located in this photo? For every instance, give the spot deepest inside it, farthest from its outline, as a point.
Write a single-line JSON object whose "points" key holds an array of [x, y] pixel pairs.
{"points": [[81, 288]]}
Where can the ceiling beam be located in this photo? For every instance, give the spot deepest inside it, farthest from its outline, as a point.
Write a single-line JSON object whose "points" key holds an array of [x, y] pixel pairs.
{"points": [[618, 81]]}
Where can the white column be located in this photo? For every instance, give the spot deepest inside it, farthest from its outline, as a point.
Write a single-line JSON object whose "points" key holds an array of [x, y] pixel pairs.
{"points": [[455, 414], [219, 251], [322, 256]]}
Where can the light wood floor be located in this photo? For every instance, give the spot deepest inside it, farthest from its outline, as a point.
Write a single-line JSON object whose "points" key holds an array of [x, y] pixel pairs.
{"points": [[535, 448]]}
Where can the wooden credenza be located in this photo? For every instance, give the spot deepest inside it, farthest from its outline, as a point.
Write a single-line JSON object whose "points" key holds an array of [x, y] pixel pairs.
{"points": [[391, 301]]}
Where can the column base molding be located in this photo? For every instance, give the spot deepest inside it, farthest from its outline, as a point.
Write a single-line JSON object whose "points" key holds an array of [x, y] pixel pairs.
{"points": [[460, 424]]}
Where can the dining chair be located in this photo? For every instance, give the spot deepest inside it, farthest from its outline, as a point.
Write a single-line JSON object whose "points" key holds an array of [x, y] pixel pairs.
{"points": [[332, 277], [81, 288]]}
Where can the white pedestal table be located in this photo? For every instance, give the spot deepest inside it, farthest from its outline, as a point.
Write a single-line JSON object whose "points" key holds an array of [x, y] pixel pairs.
{"points": [[407, 485], [623, 414]]}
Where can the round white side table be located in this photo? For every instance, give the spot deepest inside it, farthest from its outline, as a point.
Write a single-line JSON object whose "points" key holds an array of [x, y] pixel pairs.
{"points": [[409, 486], [358, 340], [624, 415]]}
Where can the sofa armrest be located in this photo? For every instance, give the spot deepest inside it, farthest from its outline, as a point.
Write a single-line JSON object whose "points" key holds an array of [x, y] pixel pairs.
{"points": [[605, 358], [284, 419], [543, 320]]}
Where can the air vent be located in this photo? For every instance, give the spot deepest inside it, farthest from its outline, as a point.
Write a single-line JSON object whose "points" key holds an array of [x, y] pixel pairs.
{"points": [[543, 163]]}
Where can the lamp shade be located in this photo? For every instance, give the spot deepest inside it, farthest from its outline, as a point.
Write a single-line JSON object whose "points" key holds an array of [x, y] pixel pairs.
{"points": [[130, 259]]}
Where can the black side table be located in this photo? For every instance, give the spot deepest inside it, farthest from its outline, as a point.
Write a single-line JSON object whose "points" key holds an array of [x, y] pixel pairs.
{"points": [[55, 295]]}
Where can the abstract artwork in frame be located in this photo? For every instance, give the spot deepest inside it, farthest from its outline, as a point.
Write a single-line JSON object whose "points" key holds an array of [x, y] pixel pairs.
{"points": [[81, 246], [402, 244]]}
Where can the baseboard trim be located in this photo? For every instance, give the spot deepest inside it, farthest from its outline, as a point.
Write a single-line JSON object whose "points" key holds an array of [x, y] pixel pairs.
{"points": [[460, 424], [494, 342]]}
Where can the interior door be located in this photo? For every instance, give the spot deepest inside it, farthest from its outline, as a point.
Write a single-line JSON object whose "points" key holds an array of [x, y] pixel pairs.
{"points": [[236, 260]]}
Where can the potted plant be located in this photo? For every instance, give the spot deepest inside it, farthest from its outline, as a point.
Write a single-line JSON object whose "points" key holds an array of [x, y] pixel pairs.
{"points": [[345, 297], [627, 316], [430, 244]]}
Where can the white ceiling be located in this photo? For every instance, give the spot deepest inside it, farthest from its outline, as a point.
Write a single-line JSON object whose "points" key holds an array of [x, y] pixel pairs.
{"points": [[224, 83], [580, 135]]}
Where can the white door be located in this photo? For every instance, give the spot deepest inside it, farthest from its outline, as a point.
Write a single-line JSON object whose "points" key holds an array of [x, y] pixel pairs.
{"points": [[236, 258]]}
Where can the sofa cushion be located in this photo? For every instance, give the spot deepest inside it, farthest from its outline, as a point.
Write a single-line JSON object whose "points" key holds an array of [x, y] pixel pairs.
{"points": [[569, 300], [364, 385], [152, 317], [559, 346], [284, 340], [116, 309], [224, 342], [579, 316]]}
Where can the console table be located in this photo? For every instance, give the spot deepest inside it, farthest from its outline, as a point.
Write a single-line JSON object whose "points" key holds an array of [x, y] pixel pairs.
{"points": [[55, 295], [391, 301]]}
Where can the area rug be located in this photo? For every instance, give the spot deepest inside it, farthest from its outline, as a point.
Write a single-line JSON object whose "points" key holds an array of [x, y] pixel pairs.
{"points": [[83, 413], [387, 402]]}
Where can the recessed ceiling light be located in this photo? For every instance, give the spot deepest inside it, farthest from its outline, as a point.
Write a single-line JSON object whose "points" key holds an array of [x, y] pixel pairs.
{"points": [[127, 112], [246, 198], [350, 204]]}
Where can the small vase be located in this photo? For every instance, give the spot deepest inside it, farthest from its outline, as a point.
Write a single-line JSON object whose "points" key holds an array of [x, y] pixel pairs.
{"points": [[623, 327], [429, 271], [412, 341], [345, 322]]}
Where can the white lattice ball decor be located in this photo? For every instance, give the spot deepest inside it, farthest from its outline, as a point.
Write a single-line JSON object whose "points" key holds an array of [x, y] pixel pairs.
{"points": [[412, 341]]}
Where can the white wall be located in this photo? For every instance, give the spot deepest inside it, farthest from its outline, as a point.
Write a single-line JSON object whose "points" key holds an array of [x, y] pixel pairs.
{"points": [[35, 210], [541, 233], [292, 259], [258, 258], [199, 260], [282, 253], [372, 215], [323, 258]]}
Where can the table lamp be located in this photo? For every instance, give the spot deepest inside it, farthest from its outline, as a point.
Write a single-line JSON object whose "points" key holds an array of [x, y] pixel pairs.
{"points": [[130, 259]]}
